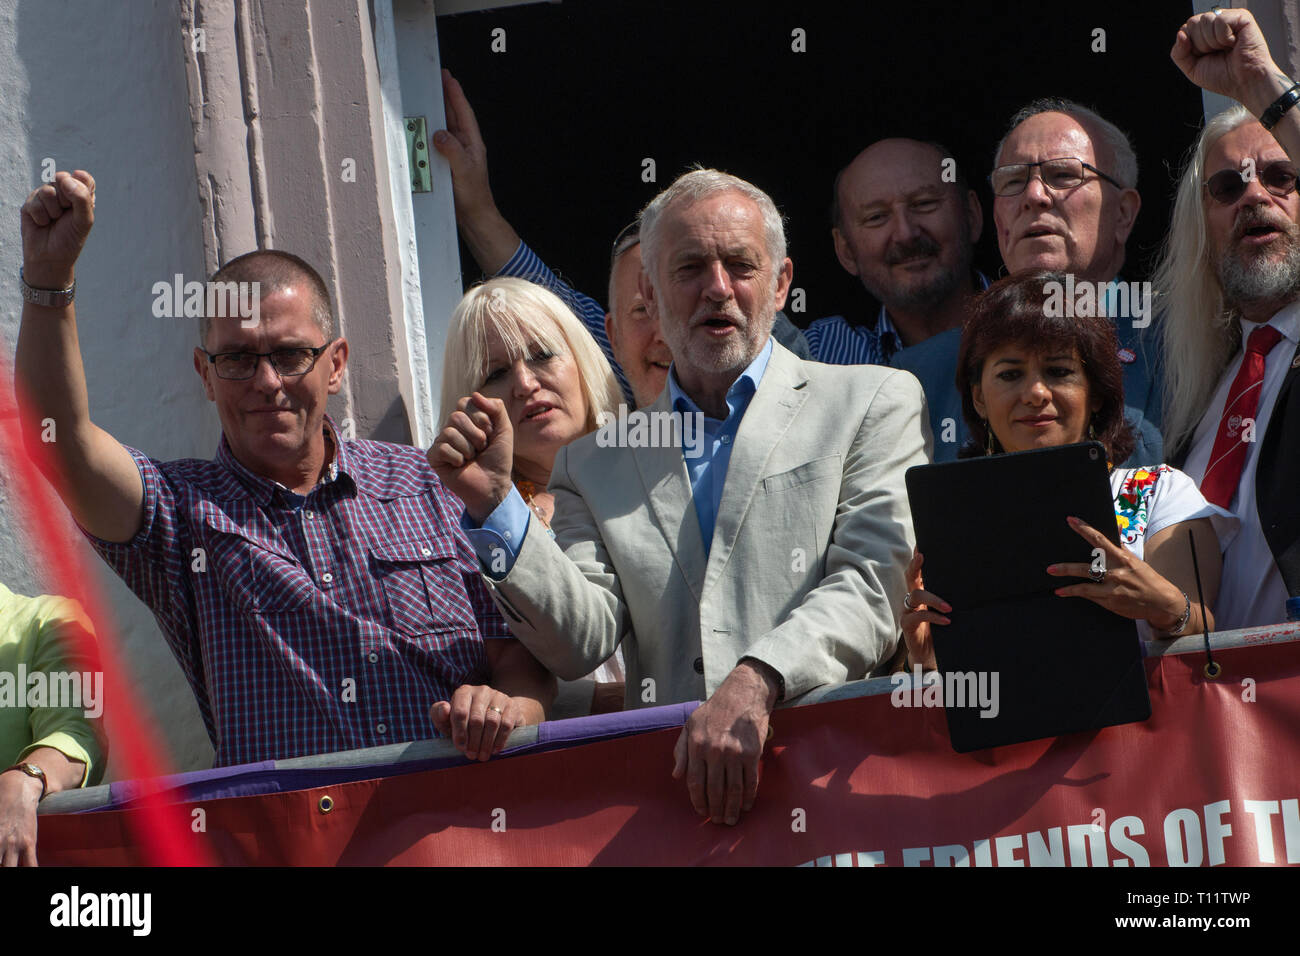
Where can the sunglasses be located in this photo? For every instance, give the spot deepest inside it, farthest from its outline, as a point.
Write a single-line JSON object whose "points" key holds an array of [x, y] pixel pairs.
{"points": [[1228, 185]]}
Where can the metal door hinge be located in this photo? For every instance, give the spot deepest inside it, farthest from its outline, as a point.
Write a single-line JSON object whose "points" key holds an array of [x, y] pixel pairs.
{"points": [[417, 154]]}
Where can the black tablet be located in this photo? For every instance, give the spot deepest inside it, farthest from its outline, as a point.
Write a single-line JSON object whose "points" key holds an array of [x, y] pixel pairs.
{"points": [[1017, 662]]}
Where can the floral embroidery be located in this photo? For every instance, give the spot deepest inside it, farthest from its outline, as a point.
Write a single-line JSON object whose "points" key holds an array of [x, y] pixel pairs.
{"points": [[1133, 500]]}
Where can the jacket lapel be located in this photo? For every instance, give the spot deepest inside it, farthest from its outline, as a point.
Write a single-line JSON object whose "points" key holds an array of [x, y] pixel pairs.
{"points": [[668, 489], [780, 395]]}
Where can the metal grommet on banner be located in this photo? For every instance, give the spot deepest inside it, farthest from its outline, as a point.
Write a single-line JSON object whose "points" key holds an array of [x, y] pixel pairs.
{"points": [[1212, 670], [326, 804]]}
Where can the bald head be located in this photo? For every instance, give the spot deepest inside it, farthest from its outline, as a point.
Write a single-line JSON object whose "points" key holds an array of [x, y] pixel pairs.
{"points": [[905, 223], [1081, 229]]}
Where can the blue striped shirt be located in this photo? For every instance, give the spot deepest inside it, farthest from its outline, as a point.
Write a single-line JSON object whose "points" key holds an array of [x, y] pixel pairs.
{"points": [[835, 341]]}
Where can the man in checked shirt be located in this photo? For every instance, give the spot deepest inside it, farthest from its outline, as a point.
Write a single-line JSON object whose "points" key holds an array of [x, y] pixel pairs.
{"points": [[337, 604]]}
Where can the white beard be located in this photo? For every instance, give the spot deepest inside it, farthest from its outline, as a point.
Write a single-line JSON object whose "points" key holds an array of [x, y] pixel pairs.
{"points": [[1263, 278]]}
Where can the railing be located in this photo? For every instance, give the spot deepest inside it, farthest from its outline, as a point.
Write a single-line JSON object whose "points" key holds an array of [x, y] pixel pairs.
{"points": [[428, 753]]}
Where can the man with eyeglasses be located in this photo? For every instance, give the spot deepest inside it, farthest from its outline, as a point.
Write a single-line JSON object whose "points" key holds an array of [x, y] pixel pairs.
{"points": [[1065, 199], [1233, 387], [318, 593], [630, 339]]}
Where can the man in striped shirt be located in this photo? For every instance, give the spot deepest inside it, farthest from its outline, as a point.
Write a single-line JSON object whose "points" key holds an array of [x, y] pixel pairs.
{"points": [[906, 224], [317, 592]]}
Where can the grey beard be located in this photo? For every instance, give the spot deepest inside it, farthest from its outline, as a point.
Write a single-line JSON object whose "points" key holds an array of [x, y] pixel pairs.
{"points": [[1263, 279], [927, 296]]}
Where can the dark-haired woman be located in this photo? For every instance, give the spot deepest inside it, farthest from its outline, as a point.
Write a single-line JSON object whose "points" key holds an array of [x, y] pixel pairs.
{"points": [[1030, 378]]}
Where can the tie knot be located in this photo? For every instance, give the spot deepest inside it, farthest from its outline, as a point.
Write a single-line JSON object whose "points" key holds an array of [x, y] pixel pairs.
{"points": [[1262, 340]]}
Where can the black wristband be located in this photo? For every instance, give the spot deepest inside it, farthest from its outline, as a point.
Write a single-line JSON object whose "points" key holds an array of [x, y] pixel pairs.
{"points": [[1280, 106]]}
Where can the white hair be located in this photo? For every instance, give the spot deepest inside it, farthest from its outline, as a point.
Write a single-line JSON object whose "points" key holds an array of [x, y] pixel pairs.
{"points": [[1199, 334], [698, 184], [521, 313], [1121, 150]]}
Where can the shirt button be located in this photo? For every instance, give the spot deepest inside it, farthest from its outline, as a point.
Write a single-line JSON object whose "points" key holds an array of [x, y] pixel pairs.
{"points": [[381, 728], [699, 665], [507, 535], [327, 577], [309, 514], [372, 657], [426, 552], [726, 439]]}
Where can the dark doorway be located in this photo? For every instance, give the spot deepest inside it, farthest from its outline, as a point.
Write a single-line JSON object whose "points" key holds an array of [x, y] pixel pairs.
{"points": [[586, 90]]}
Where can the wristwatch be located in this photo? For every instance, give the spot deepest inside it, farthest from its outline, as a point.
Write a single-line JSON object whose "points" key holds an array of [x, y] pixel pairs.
{"points": [[53, 298], [32, 771]]}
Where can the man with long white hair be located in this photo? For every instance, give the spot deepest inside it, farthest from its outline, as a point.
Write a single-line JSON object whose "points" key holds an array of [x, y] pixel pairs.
{"points": [[1230, 275]]}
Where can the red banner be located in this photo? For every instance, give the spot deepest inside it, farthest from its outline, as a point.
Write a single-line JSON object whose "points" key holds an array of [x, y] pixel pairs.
{"points": [[1213, 777]]}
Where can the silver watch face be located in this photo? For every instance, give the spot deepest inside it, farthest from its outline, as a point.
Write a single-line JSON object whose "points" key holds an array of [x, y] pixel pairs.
{"points": [[32, 770]]}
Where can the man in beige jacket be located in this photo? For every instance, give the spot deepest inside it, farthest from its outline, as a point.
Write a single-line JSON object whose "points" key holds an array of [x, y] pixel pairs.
{"points": [[759, 557]]}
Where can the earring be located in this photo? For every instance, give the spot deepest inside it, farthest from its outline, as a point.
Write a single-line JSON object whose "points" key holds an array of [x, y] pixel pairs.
{"points": [[988, 437], [1092, 431]]}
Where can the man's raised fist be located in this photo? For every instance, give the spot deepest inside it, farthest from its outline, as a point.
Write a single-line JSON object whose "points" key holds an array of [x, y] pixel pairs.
{"points": [[56, 219]]}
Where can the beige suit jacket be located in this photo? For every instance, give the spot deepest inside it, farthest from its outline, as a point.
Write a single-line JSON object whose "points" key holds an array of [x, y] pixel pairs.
{"points": [[805, 571]]}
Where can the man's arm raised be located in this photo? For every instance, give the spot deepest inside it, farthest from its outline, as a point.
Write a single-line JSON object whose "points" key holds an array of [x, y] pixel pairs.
{"points": [[1226, 53], [93, 474], [491, 239]]}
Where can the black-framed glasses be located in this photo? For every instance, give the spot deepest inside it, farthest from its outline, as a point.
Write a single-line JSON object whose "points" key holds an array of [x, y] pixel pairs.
{"points": [[1066, 172], [1229, 185], [287, 363]]}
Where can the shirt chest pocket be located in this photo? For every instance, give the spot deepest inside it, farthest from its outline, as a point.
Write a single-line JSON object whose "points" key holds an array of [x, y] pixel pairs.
{"points": [[424, 589], [257, 573]]}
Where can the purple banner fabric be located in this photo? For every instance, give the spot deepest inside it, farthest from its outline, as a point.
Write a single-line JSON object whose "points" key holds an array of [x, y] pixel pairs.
{"points": [[255, 779]]}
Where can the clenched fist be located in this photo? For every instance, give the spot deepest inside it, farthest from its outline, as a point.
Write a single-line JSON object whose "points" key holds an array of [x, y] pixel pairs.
{"points": [[56, 219], [474, 454], [1226, 53]]}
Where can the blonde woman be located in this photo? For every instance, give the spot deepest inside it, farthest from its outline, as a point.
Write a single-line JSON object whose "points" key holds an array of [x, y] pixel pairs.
{"points": [[515, 341]]}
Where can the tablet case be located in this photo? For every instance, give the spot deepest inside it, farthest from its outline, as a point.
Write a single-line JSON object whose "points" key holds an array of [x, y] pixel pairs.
{"points": [[988, 528]]}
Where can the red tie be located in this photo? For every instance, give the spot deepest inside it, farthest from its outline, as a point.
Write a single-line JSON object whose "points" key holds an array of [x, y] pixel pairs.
{"points": [[1229, 454]]}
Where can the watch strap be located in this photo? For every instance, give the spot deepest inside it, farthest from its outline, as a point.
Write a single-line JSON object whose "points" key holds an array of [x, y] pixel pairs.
{"points": [[1280, 106], [52, 298], [32, 770]]}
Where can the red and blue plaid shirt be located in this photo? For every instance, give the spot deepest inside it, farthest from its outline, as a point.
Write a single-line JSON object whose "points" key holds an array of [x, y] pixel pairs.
{"points": [[310, 624]]}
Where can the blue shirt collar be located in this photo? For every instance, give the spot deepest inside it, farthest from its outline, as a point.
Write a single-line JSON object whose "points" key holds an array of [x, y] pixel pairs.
{"points": [[745, 385]]}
